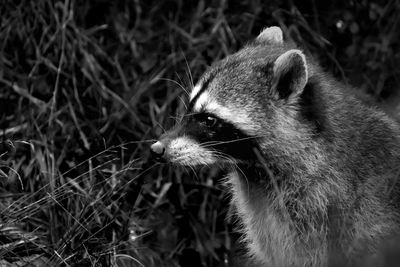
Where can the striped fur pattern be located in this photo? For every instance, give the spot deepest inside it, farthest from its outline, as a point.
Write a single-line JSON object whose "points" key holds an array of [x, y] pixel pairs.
{"points": [[312, 170]]}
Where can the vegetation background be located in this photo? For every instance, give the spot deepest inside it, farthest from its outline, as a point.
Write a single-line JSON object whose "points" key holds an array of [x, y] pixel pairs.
{"points": [[86, 86]]}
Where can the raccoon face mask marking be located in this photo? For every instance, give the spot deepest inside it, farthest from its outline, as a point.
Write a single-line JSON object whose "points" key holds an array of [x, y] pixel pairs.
{"points": [[235, 116], [204, 138]]}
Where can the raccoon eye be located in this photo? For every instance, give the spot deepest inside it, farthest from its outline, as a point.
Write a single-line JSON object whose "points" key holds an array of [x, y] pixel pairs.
{"points": [[206, 119], [211, 121]]}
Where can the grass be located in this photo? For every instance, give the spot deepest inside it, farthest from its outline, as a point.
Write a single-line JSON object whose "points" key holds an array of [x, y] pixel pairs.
{"points": [[86, 86]]}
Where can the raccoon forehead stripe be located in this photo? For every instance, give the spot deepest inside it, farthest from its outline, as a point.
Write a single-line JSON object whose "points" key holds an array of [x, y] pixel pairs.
{"points": [[201, 101], [198, 90], [195, 90]]}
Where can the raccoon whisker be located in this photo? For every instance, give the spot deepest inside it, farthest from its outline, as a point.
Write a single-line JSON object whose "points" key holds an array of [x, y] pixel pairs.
{"points": [[176, 118], [183, 102], [234, 164], [210, 143], [194, 171], [227, 161], [182, 82], [162, 128], [244, 176], [136, 142], [188, 72], [189, 114], [175, 82], [226, 157], [217, 142]]}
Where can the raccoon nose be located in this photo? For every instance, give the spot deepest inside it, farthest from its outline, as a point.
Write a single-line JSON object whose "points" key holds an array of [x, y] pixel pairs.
{"points": [[157, 149]]}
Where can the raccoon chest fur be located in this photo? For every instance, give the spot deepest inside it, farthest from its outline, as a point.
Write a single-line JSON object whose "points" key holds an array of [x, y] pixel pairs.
{"points": [[313, 171], [270, 234]]}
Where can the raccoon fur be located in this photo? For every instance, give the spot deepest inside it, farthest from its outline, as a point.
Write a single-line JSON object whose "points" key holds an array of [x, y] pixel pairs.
{"points": [[313, 171]]}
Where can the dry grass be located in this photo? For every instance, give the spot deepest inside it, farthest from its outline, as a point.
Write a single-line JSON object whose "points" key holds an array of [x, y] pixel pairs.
{"points": [[85, 86]]}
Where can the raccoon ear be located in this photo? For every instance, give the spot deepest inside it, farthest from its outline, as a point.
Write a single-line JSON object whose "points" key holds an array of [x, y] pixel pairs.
{"points": [[290, 73], [271, 35]]}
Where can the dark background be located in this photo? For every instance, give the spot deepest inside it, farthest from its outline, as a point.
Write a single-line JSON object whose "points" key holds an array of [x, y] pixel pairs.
{"points": [[86, 86]]}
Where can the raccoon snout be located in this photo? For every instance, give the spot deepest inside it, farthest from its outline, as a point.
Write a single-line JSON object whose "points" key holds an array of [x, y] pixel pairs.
{"points": [[157, 149]]}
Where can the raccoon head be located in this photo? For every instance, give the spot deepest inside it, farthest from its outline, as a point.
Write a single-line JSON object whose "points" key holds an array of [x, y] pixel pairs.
{"points": [[240, 105]]}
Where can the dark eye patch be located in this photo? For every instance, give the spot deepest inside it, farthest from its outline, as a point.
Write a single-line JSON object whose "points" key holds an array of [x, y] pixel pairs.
{"points": [[220, 135]]}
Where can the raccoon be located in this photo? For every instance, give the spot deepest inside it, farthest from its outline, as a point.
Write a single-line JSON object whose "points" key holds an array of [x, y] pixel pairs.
{"points": [[312, 169]]}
